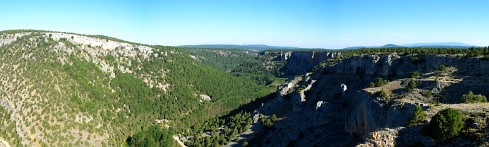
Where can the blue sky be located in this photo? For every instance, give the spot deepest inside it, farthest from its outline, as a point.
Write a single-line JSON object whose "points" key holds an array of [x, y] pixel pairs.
{"points": [[302, 23]]}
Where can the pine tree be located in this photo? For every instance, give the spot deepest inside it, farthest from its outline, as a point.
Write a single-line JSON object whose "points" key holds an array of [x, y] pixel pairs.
{"points": [[418, 116]]}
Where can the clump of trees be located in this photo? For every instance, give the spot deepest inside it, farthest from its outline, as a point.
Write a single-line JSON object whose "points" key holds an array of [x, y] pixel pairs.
{"points": [[473, 98], [221, 130], [381, 82], [471, 52], [378, 82], [153, 136], [418, 116], [268, 122], [446, 124]]}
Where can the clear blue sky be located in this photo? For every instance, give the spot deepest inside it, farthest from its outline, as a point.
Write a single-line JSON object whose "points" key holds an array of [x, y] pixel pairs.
{"points": [[302, 23]]}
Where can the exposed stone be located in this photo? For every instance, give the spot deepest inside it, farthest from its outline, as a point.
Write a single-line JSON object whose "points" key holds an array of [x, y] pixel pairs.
{"points": [[204, 97], [343, 87], [318, 104], [334, 114], [298, 63]]}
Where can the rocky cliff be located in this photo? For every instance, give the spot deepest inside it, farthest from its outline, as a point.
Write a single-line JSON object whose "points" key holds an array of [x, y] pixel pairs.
{"points": [[333, 106], [300, 62], [402, 66]]}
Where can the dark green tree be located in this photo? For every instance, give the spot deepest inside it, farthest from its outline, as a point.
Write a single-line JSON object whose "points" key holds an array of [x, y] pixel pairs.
{"points": [[274, 118], [267, 122], [415, 74], [446, 124], [442, 68], [418, 116], [153, 136], [372, 85], [411, 85], [379, 82]]}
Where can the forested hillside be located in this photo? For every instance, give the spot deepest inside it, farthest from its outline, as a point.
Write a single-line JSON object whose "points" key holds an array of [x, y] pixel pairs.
{"points": [[68, 89], [245, 63]]}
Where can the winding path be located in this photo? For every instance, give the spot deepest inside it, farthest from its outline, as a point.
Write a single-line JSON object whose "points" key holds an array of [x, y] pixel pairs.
{"points": [[179, 141], [3, 143]]}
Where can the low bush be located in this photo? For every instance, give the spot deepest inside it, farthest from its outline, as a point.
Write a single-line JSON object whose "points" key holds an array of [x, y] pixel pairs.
{"points": [[418, 116], [473, 98]]}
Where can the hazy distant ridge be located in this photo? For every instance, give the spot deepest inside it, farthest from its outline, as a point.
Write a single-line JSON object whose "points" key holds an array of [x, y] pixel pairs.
{"points": [[234, 46], [433, 45]]}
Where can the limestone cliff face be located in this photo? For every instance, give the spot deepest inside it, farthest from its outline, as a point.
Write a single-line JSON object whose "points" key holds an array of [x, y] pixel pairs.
{"points": [[323, 113], [300, 62], [402, 66], [363, 115]]}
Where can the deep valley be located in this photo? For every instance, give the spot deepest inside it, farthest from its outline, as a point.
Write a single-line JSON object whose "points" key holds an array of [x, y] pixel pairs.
{"points": [[67, 89]]}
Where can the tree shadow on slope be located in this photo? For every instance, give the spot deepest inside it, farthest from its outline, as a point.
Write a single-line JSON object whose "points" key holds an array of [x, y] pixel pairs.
{"points": [[253, 105], [475, 82], [411, 137]]}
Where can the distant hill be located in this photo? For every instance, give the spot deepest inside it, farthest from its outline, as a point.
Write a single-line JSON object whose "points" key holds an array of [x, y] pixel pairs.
{"points": [[234, 46], [422, 45], [390, 46], [439, 44], [384, 46]]}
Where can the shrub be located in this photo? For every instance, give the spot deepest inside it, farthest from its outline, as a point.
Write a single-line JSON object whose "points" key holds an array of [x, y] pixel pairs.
{"points": [[268, 123], [380, 82], [473, 98], [442, 68], [274, 118], [418, 116], [383, 94], [415, 74], [446, 124], [428, 94], [372, 85], [411, 85]]}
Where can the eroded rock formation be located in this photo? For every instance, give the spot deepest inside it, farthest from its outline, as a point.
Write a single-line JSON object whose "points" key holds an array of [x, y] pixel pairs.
{"points": [[325, 112]]}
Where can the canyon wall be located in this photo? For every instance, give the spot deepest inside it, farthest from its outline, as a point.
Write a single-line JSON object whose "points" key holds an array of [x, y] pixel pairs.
{"points": [[323, 111]]}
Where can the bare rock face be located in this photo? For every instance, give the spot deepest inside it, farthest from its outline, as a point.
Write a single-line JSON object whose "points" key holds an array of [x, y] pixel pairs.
{"points": [[204, 97], [298, 63], [299, 97], [386, 138], [363, 115], [343, 87], [330, 106], [296, 101], [319, 104], [288, 87], [402, 66]]}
